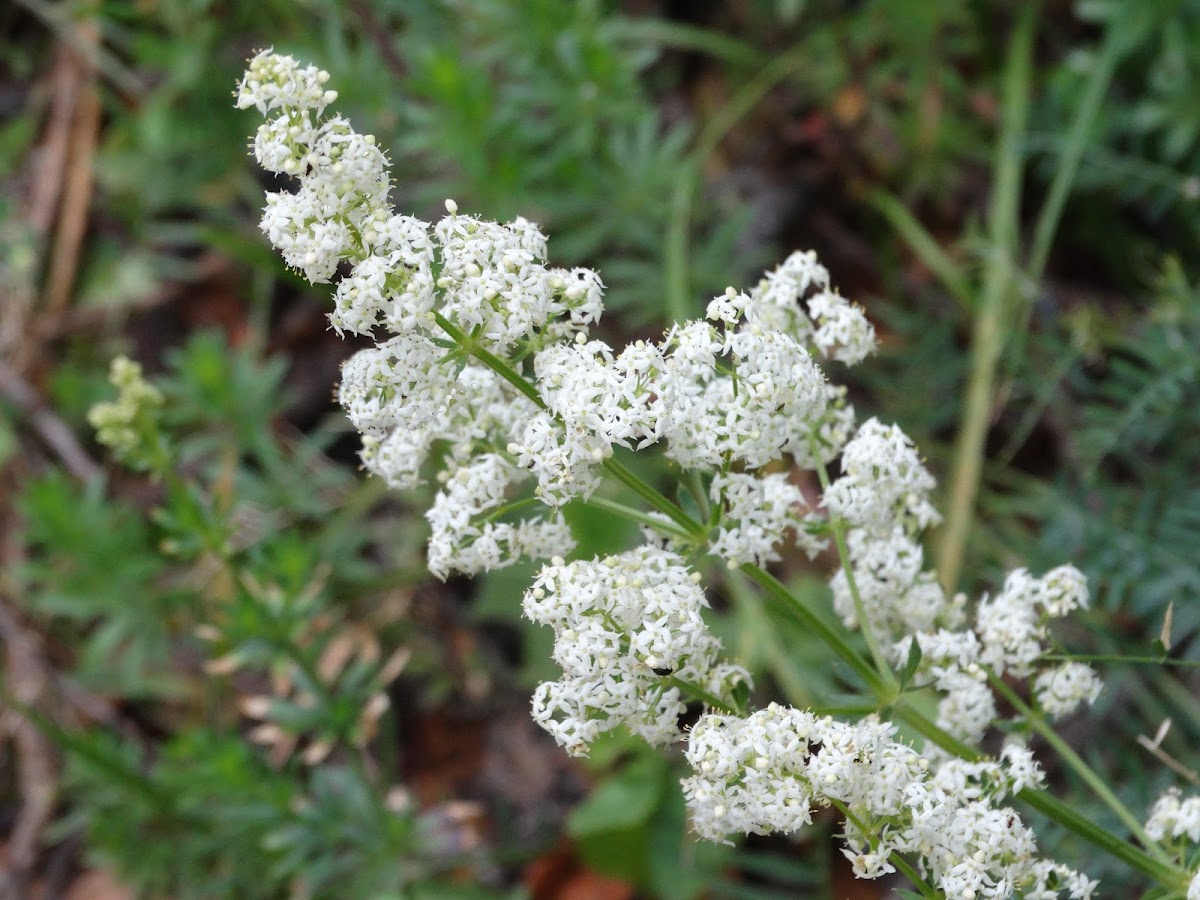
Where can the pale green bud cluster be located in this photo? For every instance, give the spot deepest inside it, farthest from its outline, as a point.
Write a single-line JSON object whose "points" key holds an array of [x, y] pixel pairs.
{"points": [[121, 424]]}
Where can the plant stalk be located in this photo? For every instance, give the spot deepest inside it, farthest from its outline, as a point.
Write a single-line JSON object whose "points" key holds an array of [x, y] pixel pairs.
{"points": [[683, 195], [826, 632], [838, 527], [1085, 772], [998, 288]]}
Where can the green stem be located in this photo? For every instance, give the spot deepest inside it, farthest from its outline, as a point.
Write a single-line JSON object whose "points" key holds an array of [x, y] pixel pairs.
{"points": [[636, 515], [778, 591], [883, 688], [911, 874], [1037, 408], [696, 487], [653, 497], [1165, 874], [838, 527], [758, 635], [1115, 42], [857, 710], [900, 862], [860, 611], [1001, 274], [925, 246], [489, 359], [988, 340], [919, 723], [1045, 803], [505, 509], [614, 468], [714, 131], [1067, 166], [700, 694], [1085, 772]]}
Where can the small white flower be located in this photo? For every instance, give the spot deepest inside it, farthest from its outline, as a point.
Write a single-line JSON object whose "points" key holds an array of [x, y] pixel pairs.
{"points": [[620, 623], [760, 511], [1020, 767], [273, 81], [843, 332], [1174, 817], [883, 482], [898, 595], [1060, 690]]}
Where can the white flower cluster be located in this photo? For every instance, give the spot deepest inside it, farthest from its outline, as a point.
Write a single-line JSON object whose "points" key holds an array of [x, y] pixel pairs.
{"points": [[1012, 627], [759, 511], [1175, 822], [843, 332], [838, 328], [1173, 817], [882, 496], [627, 629], [344, 176], [883, 482], [279, 82], [406, 394], [766, 772], [747, 394], [483, 362], [593, 402], [742, 389], [1008, 638], [116, 422], [898, 594], [464, 540], [1061, 690]]}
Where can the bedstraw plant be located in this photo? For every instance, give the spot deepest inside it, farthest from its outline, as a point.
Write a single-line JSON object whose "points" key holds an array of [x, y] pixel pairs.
{"points": [[484, 377]]}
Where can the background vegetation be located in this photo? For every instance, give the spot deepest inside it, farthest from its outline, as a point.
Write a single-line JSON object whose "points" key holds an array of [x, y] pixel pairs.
{"points": [[192, 664]]}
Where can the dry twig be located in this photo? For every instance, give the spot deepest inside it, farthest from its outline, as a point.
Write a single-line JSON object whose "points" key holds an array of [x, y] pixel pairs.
{"points": [[52, 430], [37, 768], [77, 184]]}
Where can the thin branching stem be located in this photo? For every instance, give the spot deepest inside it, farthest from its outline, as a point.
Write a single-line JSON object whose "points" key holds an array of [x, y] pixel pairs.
{"points": [[1164, 873], [612, 466], [698, 693], [828, 633], [1169, 876], [642, 518], [899, 861], [881, 683], [838, 527], [1086, 773], [656, 499], [507, 509]]}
